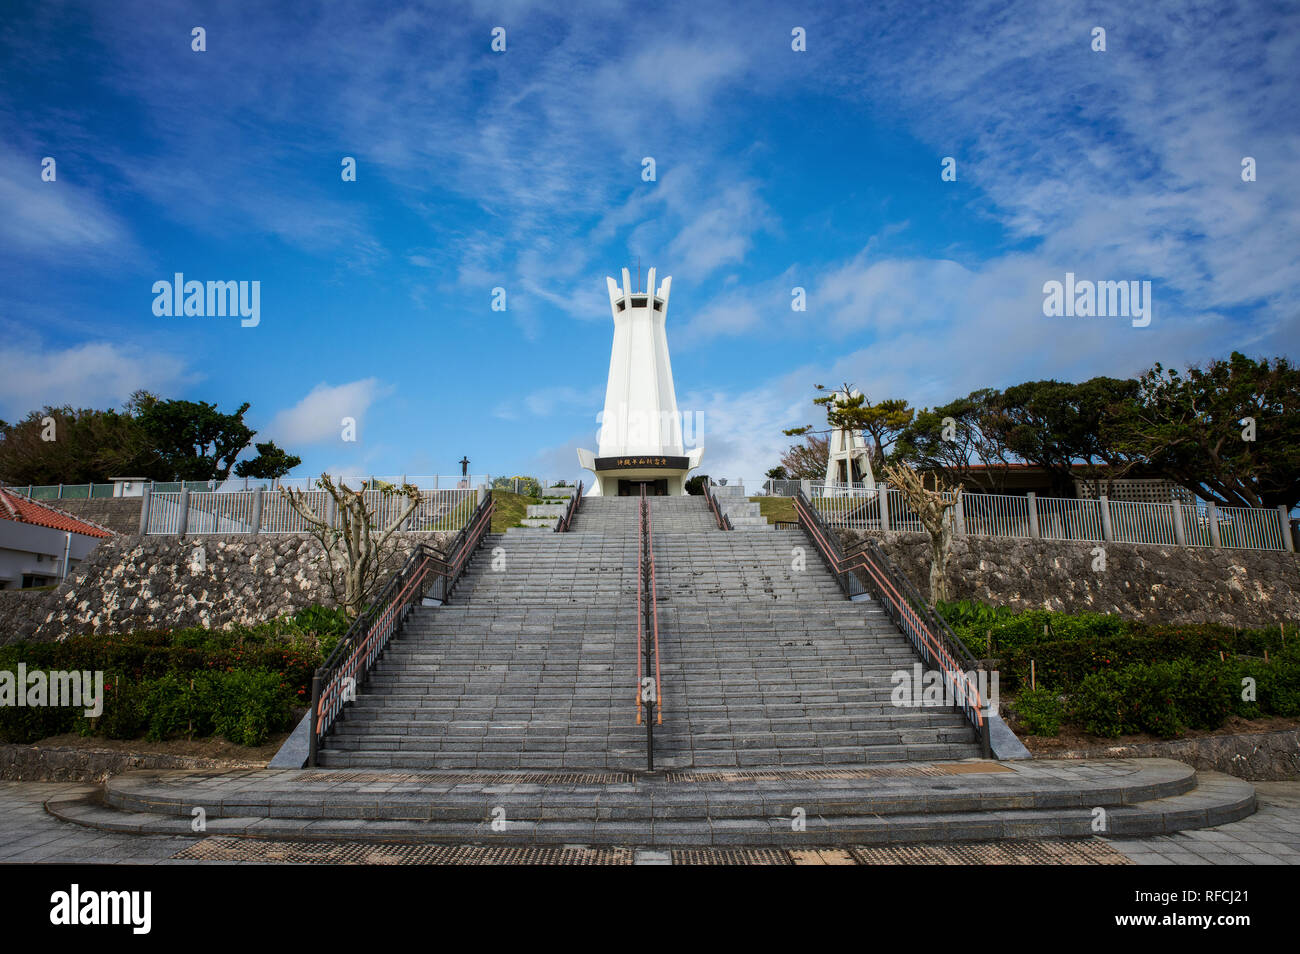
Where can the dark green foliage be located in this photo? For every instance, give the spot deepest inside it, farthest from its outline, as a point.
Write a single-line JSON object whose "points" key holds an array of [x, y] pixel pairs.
{"points": [[976, 625], [1121, 676], [241, 684], [271, 462], [1163, 698], [1039, 711]]}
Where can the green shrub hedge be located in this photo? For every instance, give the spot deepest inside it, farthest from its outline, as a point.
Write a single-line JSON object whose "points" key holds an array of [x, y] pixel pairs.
{"points": [[1040, 711], [1110, 676], [1166, 698], [241, 684]]}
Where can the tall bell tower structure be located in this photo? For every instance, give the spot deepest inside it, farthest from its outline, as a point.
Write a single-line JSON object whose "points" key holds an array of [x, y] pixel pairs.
{"points": [[641, 430], [848, 461]]}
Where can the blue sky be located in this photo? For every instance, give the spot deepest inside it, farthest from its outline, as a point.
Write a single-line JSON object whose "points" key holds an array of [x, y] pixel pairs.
{"points": [[522, 169]]}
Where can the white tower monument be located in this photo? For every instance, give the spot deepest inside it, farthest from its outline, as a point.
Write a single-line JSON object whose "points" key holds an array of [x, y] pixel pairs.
{"points": [[849, 460], [641, 431]]}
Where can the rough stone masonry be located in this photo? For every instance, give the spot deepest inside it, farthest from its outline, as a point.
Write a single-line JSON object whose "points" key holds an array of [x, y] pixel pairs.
{"points": [[1169, 584], [132, 582], [150, 582]]}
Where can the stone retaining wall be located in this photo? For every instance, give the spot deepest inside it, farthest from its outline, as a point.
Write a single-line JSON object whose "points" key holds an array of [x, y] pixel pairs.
{"points": [[33, 763], [133, 582], [119, 514], [1172, 584], [1257, 756]]}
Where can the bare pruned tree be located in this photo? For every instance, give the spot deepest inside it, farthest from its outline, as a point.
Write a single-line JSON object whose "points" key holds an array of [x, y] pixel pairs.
{"points": [[355, 548], [935, 515]]}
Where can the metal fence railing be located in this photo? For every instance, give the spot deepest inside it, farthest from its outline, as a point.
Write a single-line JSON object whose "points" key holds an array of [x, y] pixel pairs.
{"points": [[428, 573], [995, 515], [1062, 519], [1096, 520], [866, 569], [1133, 522], [1249, 529], [230, 486], [217, 512]]}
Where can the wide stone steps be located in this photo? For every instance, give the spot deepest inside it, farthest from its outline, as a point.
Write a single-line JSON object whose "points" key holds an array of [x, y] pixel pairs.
{"points": [[411, 722], [375, 739], [875, 804], [762, 660], [608, 755]]}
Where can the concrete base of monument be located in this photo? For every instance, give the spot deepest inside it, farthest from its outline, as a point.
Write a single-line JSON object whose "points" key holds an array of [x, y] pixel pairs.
{"points": [[625, 474], [902, 803]]}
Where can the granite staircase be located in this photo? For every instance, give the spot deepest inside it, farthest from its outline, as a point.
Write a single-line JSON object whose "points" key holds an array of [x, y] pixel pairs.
{"points": [[533, 664], [507, 717]]}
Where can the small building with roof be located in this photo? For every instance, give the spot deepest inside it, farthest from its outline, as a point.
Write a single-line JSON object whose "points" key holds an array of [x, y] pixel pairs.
{"points": [[40, 543]]}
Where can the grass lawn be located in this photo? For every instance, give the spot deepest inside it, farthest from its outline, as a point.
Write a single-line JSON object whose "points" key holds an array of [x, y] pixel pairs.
{"points": [[508, 509], [776, 508]]}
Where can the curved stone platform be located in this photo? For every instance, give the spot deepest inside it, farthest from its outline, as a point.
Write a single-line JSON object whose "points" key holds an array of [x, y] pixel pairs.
{"points": [[877, 804]]}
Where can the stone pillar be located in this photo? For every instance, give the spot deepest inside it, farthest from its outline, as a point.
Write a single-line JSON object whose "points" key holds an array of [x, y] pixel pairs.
{"points": [[330, 511], [959, 515], [1212, 512], [1031, 502], [1104, 505], [184, 522], [1180, 532], [806, 487], [1284, 519], [884, 506], [257, 511], [145, 500]]}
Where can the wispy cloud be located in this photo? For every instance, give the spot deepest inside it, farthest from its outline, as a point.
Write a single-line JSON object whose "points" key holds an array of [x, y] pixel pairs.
{"points": [[62, 218], [318, 417], [94, 374]]}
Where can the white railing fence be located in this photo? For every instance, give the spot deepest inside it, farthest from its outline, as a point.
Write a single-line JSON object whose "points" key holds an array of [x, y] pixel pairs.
{"points": [[233, 485], [209, 512], [1096, 520]]}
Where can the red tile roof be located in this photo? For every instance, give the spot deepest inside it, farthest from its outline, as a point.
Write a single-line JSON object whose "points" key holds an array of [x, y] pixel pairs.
{"points": [[17, 507]]}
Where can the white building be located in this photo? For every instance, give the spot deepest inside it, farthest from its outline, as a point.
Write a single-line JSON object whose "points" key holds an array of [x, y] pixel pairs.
{"points": [[641, 430], [36, 540]]}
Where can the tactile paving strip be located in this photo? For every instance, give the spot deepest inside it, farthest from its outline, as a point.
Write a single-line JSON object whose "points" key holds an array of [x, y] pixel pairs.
{"points": [[1044, 852], [355, 853], [730, 856]]}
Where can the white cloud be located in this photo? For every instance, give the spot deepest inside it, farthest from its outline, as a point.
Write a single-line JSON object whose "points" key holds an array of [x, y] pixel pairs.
{"points": [[317, 418], [96, 375], [552, 400], [59, 218]]}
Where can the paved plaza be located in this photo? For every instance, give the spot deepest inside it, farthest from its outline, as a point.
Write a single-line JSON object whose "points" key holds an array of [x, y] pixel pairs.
{"points": [[30, 835]]}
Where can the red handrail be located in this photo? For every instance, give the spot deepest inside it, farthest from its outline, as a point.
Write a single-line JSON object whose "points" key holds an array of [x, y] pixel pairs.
{"points": [[919, 628], [654, 610], [640, 615]]}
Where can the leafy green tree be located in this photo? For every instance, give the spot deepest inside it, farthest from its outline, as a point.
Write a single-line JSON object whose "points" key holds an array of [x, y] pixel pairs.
{"points": [[1056, 424], [193, 439], [271, 462], [150, 437], [63, 445], [955, 437], [1229, 431]]}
